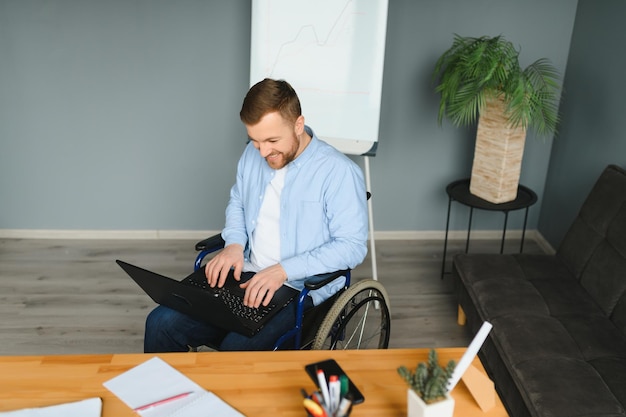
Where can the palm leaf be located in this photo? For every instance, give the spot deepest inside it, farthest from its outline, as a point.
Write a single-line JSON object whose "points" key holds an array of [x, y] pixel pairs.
{"points": [[473, 69]]}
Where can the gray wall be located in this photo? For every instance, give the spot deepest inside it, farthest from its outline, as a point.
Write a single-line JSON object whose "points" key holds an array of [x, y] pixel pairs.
{"points": [[123, 114], [592, 134]]}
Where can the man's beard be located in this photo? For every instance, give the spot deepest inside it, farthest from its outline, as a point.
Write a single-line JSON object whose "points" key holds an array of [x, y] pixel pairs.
{"points": [[285, 158]]}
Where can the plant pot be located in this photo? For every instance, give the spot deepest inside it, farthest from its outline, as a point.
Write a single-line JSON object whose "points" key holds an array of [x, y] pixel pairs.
{"points": [[416, 407], [497, 155]]}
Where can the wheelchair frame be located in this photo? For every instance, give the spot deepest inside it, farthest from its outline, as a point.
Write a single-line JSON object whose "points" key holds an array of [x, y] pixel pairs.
{"points": [[346, 304]]}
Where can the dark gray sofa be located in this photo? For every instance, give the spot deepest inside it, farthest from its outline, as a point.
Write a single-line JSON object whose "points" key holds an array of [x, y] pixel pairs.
{"points": [[558, 343]]}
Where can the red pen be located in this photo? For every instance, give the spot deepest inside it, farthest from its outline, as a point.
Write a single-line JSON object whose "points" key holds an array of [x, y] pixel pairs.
{"points": [[163, 401]]}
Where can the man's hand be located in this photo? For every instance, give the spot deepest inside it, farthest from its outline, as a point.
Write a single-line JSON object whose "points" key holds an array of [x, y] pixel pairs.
{"points": [[261, 287], [217, 269]]}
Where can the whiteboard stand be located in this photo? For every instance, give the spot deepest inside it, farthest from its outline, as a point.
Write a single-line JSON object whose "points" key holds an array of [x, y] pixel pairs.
{"points": [[370, 211]]}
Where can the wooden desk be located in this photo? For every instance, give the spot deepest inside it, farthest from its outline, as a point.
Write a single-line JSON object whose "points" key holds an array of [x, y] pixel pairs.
{"points": [[256, 383]]}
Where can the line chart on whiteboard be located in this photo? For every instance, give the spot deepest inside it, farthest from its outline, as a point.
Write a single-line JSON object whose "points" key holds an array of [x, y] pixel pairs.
{"points": [[332, 52]]}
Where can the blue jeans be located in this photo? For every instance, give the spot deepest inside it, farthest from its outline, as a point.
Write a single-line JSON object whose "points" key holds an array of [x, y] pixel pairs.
{"points": [[168, 330]]}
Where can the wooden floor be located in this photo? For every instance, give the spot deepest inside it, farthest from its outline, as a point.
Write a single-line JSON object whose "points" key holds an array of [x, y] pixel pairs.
{"points": [[69, 296]]}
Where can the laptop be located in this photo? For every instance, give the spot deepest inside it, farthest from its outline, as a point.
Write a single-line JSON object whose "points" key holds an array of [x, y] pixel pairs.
{"points": [[222, 307]]}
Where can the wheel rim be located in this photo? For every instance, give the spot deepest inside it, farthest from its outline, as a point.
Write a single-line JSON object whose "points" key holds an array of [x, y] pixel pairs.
{"points": [[363, 323]]}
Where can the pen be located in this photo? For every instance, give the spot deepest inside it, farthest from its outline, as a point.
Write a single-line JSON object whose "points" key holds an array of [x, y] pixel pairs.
{"points": [[334, 389], [343, 379], [317, 397], [321, 380], [163, 401]]}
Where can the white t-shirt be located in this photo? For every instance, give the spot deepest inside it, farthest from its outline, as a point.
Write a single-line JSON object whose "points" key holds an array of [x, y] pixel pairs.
{"points": [[265, 242]]}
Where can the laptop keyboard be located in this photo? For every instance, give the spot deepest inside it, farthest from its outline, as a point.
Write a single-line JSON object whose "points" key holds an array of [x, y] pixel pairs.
{"points": [[233, 298]]}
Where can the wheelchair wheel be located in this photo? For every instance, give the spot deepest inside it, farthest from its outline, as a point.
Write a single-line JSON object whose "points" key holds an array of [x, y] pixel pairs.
{"points": [[359, 319]]}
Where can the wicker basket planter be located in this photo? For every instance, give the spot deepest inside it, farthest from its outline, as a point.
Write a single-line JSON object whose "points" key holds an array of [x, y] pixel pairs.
{"points": [[497, 155]]}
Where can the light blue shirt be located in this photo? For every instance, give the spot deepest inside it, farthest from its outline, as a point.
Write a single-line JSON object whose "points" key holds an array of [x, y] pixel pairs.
{"points": [[323, 212]]}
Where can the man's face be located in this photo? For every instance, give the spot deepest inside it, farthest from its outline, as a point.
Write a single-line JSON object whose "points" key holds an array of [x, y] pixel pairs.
{"points": [[277, 140]]}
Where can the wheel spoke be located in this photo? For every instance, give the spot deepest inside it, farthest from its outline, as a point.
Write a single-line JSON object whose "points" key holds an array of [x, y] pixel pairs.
{"points": [[359, 319]]}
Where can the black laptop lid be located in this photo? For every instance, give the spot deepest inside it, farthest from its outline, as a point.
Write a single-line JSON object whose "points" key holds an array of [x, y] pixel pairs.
{"points": [[199, 303]]}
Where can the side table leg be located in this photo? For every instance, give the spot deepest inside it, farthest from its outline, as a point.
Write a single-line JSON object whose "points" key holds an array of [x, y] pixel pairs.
{"points": [[445, 241], [469, 229], [506, 218], [521, 246]]}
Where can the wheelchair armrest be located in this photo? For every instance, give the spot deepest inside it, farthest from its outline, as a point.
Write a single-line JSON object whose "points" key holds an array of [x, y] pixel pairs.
{"points": [[212, 243], [318, 281]]}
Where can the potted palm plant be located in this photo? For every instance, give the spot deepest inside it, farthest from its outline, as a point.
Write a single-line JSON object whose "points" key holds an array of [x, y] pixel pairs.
{"points": [[482, 77], [427, 395]]}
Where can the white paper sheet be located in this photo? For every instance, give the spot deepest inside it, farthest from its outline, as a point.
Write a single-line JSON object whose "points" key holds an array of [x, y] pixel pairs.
{"points": [[91, 407], [154, 381]]}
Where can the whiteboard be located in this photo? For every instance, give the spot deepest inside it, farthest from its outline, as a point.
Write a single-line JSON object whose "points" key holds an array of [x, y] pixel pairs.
{"points": [[332, 52]]}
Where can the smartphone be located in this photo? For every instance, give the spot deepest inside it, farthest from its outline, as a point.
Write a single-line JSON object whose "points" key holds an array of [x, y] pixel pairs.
{"points": [[331, 367]]}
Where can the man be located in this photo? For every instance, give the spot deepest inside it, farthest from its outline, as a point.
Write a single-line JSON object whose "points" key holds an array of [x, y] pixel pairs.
{"points": [[298, 208]]}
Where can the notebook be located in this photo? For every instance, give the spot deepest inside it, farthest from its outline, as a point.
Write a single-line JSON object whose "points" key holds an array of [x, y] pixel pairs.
{"points": [[222, 307], [155, 389]]}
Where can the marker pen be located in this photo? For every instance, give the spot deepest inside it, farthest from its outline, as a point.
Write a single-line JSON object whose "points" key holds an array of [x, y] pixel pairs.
{"points": [[321, 380], [345, 384], [334, 390]]}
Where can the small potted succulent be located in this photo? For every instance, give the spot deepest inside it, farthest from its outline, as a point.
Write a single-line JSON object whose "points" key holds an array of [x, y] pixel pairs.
{"points": [[427, 395]]}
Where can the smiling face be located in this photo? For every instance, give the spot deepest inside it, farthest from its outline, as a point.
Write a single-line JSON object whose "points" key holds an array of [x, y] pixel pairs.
{"points": [[278, 140]]}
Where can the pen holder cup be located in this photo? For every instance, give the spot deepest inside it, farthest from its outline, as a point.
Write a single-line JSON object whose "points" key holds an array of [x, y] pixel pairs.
{"points": [[336, 394], [346, 415], [316, 410]]}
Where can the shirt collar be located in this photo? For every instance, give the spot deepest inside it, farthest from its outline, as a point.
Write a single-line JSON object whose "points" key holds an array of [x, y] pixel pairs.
{"points": [[309, 151]]}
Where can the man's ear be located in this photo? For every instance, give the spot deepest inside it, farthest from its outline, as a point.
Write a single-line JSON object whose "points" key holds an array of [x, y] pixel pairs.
{"points": [[299, 126]]}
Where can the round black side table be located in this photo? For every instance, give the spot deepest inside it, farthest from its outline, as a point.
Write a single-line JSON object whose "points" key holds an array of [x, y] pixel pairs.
{"points": [[459, 191]]}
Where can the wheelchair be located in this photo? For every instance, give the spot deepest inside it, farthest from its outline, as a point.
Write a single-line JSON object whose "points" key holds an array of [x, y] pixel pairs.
{"points": [[356, 317]]}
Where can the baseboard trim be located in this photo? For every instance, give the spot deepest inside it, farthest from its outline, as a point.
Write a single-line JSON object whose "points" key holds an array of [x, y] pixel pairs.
{"points": [[452, 234], [544, 244], [201, 234], [106, 234]]}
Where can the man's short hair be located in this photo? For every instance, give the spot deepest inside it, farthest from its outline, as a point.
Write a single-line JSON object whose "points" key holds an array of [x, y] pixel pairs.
{"points": [[269, 96]]}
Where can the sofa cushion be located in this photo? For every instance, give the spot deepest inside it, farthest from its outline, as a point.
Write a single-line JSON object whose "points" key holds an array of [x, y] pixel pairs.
{"points": [[615, 234], [595, 336], [619, 314], [543, 267], [494, 297], [603, 278], [612, 370], [483, 267], [566, 387], [591, 226], [580, 241], [566, 297], [526, 338]]}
